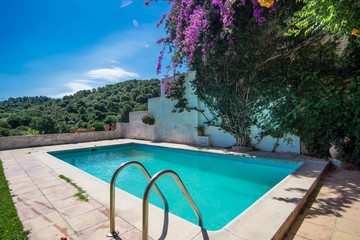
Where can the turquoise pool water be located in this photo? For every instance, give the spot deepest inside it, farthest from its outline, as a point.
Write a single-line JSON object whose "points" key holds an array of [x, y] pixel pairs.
{"points": [[222, 186]]}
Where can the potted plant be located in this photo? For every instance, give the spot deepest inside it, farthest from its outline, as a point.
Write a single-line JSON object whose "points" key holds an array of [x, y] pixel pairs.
{"points": [[92, 129], [81, 130], [108, 121], [200, 129], [339, 147]]}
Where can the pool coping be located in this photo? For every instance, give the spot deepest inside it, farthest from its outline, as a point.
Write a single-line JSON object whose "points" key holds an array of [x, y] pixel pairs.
{"points": [[268, 218]]}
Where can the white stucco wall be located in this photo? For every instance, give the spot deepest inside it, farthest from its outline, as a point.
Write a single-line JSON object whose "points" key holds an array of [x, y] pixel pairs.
{"points": [[180, 127]]}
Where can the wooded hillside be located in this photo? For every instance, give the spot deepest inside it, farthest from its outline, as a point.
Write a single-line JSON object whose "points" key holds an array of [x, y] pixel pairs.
{"points": [[84, 109]]}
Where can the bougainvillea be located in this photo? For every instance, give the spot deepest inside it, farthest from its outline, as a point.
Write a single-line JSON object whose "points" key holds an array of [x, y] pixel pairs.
{"points": [[190, 26]]}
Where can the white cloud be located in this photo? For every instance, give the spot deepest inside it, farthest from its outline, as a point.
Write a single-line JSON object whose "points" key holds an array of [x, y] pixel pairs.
{"points": [[135, 23], [74, 87], [111, 74], [125, 3], [146, 45], [114, 61]]}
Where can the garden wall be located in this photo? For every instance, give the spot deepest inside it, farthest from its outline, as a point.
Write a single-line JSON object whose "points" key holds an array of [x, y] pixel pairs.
{"points": [[52, 139], [180, 127]]}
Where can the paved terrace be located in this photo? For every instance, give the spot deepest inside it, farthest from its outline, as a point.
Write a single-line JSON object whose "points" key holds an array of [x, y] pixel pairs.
{"points": [[46, 205]]}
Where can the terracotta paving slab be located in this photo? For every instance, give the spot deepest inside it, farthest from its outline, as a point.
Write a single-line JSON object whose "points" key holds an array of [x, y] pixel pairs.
{"points": [[333, 212]]}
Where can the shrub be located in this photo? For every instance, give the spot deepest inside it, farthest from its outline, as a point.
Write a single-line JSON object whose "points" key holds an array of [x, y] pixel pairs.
{"points": [[110, 119], [4, 132], [148, 119], [99, 126]]}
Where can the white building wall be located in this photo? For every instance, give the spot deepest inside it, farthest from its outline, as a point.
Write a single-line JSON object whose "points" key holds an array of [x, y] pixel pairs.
{"points": [[180, 127]]}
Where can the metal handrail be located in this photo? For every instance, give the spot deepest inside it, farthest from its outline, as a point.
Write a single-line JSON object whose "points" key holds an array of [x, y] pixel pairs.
{"points": [[145, 210], [113, 232]]}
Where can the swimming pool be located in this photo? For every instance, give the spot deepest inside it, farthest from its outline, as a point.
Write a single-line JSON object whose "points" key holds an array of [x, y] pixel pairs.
{"points": [[222, 186]]}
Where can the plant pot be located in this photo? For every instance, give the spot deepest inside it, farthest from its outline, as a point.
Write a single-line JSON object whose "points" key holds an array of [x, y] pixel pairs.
{"points": [[336, 162], [200, 133], [113, 127], [92, 129], [333, 152], [81, 130], [107, 127], [72, 130]]}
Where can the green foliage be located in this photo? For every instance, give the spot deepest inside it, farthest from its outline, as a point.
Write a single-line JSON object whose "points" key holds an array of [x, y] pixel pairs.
{"points": [[110, 119], [62, 127], [10, 225], [30, 132], [148, 119], [4, 124], [4, 132], [319, 98], [99, 126], [82, 109], [334, 16], [124, 115], [14, 121], [44, 124], [81, 194]]}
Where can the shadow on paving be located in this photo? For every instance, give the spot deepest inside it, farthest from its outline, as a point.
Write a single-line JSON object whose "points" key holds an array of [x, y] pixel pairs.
{"points": [[334, 194]]}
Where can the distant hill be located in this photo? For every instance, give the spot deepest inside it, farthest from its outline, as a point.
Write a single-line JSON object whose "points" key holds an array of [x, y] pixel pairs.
{"points": [[84, 109]]}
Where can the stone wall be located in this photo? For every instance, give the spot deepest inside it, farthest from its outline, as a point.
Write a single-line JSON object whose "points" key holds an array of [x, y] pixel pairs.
{"points": [[52, 139]]}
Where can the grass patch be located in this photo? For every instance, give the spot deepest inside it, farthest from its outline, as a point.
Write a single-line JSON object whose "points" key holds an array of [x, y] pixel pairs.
{"points": [[81, 195], [10, 225]]}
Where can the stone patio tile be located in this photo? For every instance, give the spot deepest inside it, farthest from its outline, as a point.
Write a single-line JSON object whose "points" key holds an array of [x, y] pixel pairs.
{"points": [[55, 232], [22, 190], [20, 185], [48, 184], [63, 203], [348, 226], [133, 234], [99, 231], [59, 195], [314, 231], [48, 177], [34, 203], [29, 213], [35, 193], [327, 220], [94, 203], [294, 237], [351, 214], [344, 236], [19, 179], [59, 188], [76, 210], [87, 220], [38, 171], [43, 221], [105, 211]]}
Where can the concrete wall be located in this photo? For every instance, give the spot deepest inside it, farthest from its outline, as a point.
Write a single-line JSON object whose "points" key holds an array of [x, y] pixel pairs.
{"points": [[52, 139], [180, 127]]}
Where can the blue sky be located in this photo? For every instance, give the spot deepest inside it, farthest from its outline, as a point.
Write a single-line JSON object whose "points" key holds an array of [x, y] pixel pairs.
{"points": [[54, 48]]}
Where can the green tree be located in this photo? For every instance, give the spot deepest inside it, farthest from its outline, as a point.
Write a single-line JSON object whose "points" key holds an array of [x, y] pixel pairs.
{"points": [[124, 114], [14, 121], [333, 16], [44, 124]]}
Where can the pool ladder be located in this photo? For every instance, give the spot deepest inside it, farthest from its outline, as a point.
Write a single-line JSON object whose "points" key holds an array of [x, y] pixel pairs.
{"points": [[145, 208]]}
